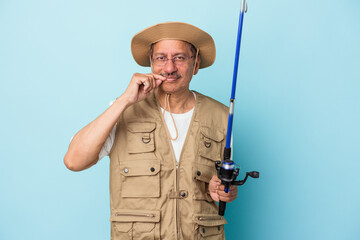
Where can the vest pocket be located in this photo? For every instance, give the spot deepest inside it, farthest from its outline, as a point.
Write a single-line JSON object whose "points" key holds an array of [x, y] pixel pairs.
{"points": [[210, 143], [202, 175], [135, 224], [140, 178], [140, 137], [209, 227], [121, 230]]}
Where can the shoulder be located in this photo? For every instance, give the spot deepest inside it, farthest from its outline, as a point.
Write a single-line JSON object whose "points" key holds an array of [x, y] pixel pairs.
{"points": [[211, 112], [209, 103]]}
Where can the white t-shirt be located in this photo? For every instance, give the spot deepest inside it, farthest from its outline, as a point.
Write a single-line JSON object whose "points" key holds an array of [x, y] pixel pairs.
{"points": [[182, 122]]}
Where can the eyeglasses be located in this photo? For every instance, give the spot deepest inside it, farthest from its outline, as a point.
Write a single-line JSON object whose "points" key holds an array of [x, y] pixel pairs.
{"points": [[177, 60]]}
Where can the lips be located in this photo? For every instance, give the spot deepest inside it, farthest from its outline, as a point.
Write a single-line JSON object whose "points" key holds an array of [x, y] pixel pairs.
{"points": [[171, 79]]}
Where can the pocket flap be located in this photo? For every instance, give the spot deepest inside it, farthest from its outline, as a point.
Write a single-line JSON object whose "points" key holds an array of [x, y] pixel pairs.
{"points": [[141, 127], [210, 224], [211, 231], [126, 215], [140, 168], [203, 172], [211, 133], [123, 227], [209, 220]]}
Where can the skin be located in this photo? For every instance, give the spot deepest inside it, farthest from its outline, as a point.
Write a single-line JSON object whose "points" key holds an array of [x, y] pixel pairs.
{"points": [[217, 192], [177, 77], [171, 79]]}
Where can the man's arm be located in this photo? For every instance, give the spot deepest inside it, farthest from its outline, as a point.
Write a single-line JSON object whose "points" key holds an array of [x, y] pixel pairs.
{"points": [[86, 145]]}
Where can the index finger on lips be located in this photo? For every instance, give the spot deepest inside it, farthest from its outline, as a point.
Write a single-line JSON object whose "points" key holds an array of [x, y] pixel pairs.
{"points": [[158, 82], [159, 77], [156, 78]]}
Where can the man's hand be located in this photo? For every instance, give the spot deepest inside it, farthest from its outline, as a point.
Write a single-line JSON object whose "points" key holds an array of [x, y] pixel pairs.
{"points": [[217, 192], [141, 86]]}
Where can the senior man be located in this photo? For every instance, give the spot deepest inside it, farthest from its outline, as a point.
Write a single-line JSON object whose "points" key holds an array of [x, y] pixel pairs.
{"points": [[162, 140]]}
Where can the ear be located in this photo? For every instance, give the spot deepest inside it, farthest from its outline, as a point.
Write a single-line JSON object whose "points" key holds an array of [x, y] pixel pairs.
{"points": [[197, 65], [151, 65]]}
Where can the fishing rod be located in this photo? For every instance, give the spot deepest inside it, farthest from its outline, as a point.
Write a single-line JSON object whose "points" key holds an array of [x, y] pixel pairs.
{"points": [[225, 170]]}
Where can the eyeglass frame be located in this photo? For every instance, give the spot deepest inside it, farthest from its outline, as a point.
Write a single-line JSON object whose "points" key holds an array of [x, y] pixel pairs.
{"points": [[172, 59]]}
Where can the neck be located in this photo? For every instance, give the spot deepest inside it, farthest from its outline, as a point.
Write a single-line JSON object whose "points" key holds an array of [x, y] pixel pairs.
{"points": [[179, 102]]}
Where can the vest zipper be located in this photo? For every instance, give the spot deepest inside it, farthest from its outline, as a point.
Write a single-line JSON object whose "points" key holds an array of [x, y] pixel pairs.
{"points": [[177, 163], [134, 215], [177, 203]]}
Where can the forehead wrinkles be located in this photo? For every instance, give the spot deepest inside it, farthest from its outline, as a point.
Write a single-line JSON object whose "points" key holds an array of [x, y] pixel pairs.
{"points": [[172, 47], [171, 54]]}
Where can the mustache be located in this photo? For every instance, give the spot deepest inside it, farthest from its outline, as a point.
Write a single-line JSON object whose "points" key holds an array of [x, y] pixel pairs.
{"points": [[171, 75]]}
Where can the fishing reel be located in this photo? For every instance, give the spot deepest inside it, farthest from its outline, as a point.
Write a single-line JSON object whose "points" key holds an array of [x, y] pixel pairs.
{"points": [[227, 173]]}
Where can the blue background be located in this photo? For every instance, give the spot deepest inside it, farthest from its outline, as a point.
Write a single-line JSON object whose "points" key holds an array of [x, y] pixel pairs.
{"points": [[296, 115]]}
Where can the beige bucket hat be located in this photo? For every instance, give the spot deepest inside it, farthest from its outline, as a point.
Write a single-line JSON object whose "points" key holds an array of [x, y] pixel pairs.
{"points": [[141, 42]]}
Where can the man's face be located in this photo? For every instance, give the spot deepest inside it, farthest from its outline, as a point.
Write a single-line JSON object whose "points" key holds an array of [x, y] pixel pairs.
{"points": [[178, 76]]}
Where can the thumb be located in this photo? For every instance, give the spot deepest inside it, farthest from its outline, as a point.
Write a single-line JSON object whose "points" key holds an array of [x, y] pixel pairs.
{"points": [[158, 82]]}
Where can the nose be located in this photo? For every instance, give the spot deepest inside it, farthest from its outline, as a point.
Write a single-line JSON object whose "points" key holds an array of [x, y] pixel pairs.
{"points": [[170, 67]]}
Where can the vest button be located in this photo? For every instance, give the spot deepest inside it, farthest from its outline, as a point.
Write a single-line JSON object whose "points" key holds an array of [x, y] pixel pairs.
{"points": [[198, 173], [126, 170], [182, 194], [203, 230], [152, 169]]}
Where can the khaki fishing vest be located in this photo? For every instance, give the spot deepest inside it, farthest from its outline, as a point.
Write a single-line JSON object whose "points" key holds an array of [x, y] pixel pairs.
{"points": [[151, 195]]}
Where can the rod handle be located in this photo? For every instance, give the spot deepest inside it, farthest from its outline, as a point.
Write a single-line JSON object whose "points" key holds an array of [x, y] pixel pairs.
{"points": [[222, 206]]}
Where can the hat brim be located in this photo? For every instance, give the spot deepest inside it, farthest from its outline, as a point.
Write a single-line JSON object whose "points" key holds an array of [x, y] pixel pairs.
{"points": [[142, 41]]}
